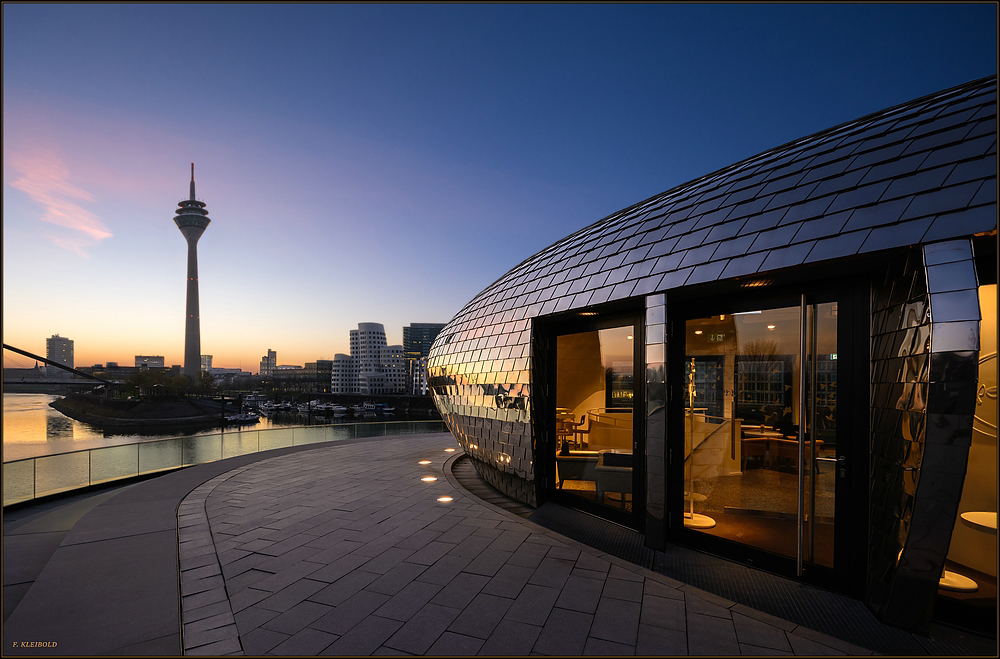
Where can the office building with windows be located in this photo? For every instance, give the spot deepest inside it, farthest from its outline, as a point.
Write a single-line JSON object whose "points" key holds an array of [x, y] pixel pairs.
{"points": [[373, 367], [60, 350], [789, 362], [268, 363], [419, 337], [417, 341], [149, 361]]}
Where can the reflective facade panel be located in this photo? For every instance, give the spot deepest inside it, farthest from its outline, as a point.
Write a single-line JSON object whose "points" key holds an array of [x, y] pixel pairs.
{"points": [[915, 182], [920, 172]]}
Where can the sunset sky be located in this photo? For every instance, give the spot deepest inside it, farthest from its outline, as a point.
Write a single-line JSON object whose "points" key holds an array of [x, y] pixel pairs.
{"points": [[385, 163]]}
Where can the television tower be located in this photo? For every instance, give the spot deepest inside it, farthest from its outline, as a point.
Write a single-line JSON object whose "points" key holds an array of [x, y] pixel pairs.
{"points": [[192, 220]]}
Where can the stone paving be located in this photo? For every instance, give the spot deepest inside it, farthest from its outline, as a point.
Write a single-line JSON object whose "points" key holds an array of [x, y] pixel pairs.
{"points": [[349, 550]]}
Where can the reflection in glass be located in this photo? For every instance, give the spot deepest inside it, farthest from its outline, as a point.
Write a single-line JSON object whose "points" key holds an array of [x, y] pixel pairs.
{"points": [[742, 431], [595, 391]]}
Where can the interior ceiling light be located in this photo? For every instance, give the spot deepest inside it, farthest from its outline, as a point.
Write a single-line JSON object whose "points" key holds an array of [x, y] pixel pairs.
{"points": [[629, 337], [588, 313], [698, 332], [755, 283]]}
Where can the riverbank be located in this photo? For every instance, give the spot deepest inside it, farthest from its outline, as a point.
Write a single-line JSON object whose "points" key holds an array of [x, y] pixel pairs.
{"points": [[107, 412]]}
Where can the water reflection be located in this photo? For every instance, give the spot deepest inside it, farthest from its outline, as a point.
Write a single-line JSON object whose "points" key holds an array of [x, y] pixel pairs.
{"points": [[31, 428]]}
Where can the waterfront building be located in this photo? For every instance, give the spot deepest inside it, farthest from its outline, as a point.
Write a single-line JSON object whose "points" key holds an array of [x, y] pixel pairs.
{"points": [[419, 337], [60, 350], [317, 376], [343, 379], [206, 362], [789, 362], [394, 372], [192, 220], [269, 362], [417, 341], [149, 361], [112, 371], [418, 376], [373, 367]]}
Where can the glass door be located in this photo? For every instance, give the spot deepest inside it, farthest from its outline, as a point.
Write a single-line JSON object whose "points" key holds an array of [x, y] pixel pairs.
{"points": [[594, 448], [760, 460]]}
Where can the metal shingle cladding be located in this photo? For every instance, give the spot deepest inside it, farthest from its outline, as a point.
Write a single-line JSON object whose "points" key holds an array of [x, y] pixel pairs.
{"points": [[920, 172]]}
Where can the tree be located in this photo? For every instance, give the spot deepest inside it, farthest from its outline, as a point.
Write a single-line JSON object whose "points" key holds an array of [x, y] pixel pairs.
{"points": [[204, 383]]}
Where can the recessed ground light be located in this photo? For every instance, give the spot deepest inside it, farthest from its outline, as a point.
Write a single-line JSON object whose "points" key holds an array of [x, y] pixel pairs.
{"points": [[770, 327], [445, 499], [424, 462], [697, 331], [449, 450], [429, 479]]}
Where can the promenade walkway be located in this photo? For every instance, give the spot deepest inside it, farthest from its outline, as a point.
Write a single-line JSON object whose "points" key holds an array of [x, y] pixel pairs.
{"points": [[354, 548]]}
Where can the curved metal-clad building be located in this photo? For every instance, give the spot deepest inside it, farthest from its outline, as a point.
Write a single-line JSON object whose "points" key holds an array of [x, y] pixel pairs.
{"points": [[864, 250]]}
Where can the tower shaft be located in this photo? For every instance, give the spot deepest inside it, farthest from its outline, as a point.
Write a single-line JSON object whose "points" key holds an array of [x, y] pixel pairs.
{"points": [[192, 220], [192, 323]]}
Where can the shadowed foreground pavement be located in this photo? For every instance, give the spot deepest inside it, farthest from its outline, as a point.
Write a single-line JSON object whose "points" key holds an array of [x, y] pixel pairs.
{"points": [[342, 549]]}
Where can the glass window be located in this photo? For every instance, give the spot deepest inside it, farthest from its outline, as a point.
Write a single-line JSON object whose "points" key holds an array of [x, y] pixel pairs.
{"points": [[971, 563], [741, 428], [595, 392]]}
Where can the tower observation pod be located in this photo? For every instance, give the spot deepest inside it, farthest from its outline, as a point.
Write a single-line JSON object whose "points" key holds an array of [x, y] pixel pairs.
{"points": [[192, 220]]}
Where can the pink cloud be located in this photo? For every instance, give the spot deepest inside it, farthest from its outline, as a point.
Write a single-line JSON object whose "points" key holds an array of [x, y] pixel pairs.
{"points": [[43, 177]]}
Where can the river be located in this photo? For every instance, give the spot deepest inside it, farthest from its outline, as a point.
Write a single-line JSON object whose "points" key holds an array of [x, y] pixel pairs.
{"points": [[31, 428]]}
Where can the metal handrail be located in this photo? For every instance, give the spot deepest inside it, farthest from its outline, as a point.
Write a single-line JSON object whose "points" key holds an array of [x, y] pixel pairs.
{"points": [[17, 473]]}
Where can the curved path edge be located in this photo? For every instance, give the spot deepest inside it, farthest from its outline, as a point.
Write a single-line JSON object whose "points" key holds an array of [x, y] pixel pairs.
{"points": [[113, 586]]}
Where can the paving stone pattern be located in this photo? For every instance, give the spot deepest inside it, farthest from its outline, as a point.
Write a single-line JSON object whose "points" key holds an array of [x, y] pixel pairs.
{"points": [[343, 550]]}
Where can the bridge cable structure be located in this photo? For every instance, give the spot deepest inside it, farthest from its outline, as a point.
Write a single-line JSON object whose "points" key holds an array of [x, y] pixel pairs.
{"points": [[56, 364]]}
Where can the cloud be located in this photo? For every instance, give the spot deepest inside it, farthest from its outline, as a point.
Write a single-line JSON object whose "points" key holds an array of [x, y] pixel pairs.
{"points": [[43, 177]]}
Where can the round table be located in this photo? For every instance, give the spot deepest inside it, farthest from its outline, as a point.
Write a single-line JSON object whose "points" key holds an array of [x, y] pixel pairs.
{"points": [[980, 521]]}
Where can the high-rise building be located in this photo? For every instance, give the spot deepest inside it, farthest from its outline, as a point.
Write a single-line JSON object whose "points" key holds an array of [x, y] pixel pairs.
{"points": [[192, 220], [206, 362], [372, 367], [269, 362], [417, 341], [419, 337], [149, 361], [418, 376], [59, 349]]}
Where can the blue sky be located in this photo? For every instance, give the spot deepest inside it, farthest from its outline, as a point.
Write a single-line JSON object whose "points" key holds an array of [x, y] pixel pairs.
{"points": [[385, 163]]}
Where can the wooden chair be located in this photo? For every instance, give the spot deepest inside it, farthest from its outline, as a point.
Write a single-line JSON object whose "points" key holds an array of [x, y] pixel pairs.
{"points": [[580, 434]]}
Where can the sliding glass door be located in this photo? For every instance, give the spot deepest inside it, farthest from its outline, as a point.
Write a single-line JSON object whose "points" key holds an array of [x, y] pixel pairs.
{"points": [[760, 450]]}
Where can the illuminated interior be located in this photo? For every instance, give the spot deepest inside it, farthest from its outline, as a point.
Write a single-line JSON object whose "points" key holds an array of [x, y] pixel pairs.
{"points": [[595, 392], [741, 427], [971, 565]]}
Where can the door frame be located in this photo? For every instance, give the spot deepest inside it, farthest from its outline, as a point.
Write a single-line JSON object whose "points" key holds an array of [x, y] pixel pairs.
{"points": [[545, 333], [852, 420]]}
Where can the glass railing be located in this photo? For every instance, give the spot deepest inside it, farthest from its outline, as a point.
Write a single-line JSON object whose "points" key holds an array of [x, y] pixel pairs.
{"points": [[31, 478]]}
